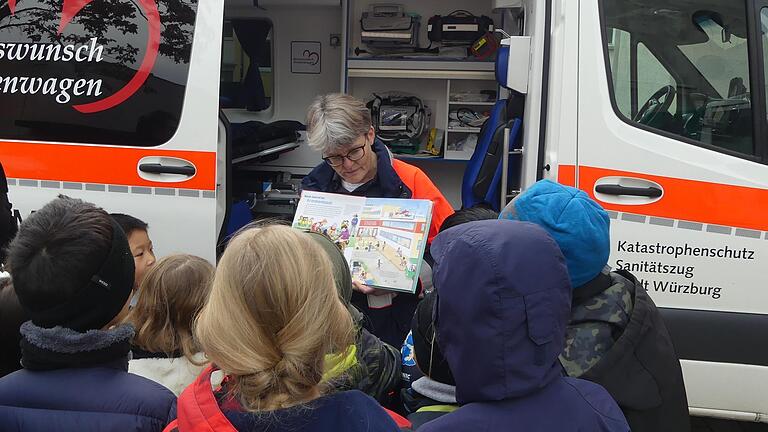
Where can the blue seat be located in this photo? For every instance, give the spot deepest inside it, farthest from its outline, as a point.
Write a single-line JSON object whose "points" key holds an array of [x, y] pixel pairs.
{"points": [[475, 174], [482, 179], [240, 216]]}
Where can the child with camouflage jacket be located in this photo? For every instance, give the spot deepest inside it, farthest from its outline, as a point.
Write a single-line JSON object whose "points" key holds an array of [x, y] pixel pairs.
{"points": [[616, 337]]}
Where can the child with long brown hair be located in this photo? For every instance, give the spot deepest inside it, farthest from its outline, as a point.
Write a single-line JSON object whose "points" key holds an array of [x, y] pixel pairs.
{"points": [[272, 317], [171, 295]]}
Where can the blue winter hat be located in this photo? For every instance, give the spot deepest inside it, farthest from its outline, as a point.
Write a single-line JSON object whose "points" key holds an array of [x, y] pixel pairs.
{"points": [[577, 223]]}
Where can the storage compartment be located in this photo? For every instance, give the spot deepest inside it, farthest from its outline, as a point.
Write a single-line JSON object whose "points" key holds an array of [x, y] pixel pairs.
{"points": [[422, 10], [469, 106], [460, 144], [446, 92], [473, 93]]}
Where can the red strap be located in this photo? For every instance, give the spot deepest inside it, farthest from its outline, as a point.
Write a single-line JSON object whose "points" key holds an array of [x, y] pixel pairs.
{"points": [[172, 426], [198, 410], [400, 421]]}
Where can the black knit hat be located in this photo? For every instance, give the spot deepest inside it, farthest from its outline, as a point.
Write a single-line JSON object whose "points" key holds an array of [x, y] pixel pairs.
{"points": [[100, 300], [429, 358]]}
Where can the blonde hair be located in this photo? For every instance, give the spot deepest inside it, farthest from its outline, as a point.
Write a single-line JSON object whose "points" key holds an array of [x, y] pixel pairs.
{"points": [[336, 120], [171, 295], [272, 316]]}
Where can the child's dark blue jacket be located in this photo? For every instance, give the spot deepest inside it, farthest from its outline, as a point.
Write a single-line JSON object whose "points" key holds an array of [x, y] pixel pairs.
{"points": [[504, 302]]}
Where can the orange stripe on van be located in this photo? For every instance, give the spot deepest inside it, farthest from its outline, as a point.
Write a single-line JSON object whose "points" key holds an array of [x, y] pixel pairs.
{"points": [[99, 164], [690, 200], [566, 174]]}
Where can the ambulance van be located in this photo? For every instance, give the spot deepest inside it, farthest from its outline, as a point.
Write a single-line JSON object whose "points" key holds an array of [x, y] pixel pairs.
{"points": [[656, 108]]}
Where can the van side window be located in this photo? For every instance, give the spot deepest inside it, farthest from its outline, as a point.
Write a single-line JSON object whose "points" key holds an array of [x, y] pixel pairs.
{"points": [[651, 76], [764, 36], [115, 75], [683, 71], [619, 59], [246, 64]]}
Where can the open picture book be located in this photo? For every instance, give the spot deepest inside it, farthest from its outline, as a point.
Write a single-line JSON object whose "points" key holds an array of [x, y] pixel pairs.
{"points": [[383, 239]]}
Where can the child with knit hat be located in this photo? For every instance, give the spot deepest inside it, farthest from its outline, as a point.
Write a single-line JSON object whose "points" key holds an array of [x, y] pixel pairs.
{"points": [[373, 366], [616, 336], [73, 274]]}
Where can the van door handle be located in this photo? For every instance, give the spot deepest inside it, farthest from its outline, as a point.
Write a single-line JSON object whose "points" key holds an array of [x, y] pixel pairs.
{"points": [[156, 168], [614, 189]]}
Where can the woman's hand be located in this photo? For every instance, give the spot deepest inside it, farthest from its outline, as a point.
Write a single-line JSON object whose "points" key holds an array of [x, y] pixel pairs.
{"points": [[365, 289]]}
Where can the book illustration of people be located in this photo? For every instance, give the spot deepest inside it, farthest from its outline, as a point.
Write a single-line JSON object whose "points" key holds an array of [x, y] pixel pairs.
{"points": [[327, 216], [388, 243], [383, 239], [339, 232]]}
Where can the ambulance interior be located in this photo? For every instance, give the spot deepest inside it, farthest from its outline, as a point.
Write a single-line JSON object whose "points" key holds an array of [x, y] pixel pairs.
{"points": [[269, 79]]}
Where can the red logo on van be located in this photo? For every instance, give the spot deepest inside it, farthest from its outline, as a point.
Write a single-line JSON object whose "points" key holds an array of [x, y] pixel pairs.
{"points": [[72, 7]]}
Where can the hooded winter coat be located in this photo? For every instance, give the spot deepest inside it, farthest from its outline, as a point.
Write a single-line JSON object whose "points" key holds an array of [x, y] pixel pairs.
{"points": [[504, 302], [394, 179], [75, 381]]}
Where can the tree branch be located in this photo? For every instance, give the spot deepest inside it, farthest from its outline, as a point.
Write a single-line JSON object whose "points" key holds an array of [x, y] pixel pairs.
{"points": [[18, 11], [139, 9], [52, 34]]}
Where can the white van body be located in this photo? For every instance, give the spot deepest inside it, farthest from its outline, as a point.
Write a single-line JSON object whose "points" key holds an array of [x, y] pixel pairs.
{"points": [[706, 222], [699, 245]]}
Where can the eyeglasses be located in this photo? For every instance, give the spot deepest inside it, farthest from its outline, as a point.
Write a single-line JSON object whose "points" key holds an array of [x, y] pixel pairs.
{"points": [[355, 154]]}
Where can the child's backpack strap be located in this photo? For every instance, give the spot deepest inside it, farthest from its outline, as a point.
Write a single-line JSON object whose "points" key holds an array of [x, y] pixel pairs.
{"points": [[198, 410]]}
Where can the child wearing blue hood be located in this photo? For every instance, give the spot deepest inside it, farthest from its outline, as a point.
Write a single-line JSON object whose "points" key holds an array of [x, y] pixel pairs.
{"points": [[430, 390], [616, 336], [504, 300]]}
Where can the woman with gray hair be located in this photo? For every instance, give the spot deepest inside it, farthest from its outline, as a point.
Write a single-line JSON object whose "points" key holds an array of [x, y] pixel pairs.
{"points": [[356, 162]]}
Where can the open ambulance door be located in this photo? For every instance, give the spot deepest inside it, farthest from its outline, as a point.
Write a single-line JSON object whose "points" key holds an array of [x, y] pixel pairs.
{"points": [[672, 141], [276, 57], [116, 104]]}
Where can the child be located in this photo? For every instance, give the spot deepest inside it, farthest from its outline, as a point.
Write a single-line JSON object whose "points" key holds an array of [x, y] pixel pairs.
{"points": [[503, 302], [470, 214], [430, 390], [270, 320], [615, 328], [375, 367], [172, 294], [141, 246], [73, 274], [433, 394]]}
